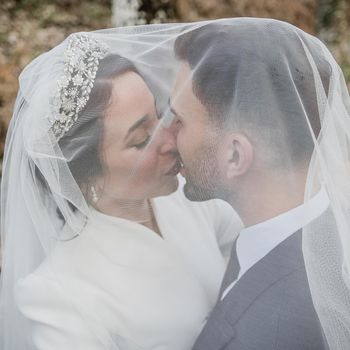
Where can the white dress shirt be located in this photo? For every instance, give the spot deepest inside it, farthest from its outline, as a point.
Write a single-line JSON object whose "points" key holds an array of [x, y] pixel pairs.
{"points": [[255, 242]]}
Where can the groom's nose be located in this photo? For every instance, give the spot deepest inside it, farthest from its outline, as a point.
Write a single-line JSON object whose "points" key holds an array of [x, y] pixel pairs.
{"points": [[174, 127], [166, 139]]}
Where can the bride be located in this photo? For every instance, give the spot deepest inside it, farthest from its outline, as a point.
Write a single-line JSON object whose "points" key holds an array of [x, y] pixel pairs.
{"points": [[101, 248]]}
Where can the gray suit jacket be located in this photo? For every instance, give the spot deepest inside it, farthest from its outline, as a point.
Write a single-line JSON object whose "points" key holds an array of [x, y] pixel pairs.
{"points": [[270, 307]]}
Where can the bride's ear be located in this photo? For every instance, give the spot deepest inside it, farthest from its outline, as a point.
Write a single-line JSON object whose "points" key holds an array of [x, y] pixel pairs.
{"points": [[239, 155]]}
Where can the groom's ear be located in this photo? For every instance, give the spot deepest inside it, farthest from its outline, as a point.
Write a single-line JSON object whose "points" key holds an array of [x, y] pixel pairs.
{"points": [[239, 155]]}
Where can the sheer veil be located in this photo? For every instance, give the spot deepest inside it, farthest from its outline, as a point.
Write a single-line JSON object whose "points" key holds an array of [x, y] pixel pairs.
{"points": [[279, 70]]}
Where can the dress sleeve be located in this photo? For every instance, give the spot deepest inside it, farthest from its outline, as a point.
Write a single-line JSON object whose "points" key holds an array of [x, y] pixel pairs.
{"points": [[54, 319], [227, 226]]}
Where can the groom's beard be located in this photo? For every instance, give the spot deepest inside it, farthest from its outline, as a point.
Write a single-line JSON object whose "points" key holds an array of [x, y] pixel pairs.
{"points": [[202, 177]]}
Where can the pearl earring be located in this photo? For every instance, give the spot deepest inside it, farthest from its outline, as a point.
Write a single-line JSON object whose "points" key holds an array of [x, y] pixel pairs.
{"points": [[94, 194]]}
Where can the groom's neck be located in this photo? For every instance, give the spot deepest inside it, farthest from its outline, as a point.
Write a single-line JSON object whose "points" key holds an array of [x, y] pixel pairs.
{"points": [[268, 197]]}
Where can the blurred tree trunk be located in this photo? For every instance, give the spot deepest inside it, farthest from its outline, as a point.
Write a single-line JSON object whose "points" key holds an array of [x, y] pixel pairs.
{"points": [[301, 13], [125, 12], [334, 29]]}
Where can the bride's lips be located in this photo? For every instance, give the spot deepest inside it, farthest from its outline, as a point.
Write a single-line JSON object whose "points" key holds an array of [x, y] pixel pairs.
{"points": [[175, 169]]}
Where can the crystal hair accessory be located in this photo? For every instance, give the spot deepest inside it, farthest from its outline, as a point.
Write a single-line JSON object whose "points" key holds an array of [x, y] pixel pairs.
{"points": [[82, 58]]}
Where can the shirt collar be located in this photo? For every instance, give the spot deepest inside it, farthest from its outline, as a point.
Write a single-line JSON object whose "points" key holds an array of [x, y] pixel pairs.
{"points": [[257, 241]]}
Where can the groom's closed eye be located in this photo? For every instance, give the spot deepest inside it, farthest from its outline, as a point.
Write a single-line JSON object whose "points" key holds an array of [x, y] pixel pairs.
{"points": [[169, 117], [176, 117], [173, 119], [177, 121]]}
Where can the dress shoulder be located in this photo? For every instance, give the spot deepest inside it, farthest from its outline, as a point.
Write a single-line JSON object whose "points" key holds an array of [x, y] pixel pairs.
{"points": [[55, 319]]}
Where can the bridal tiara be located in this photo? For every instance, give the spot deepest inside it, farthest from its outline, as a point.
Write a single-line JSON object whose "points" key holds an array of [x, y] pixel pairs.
{"points": [[81, 62]]}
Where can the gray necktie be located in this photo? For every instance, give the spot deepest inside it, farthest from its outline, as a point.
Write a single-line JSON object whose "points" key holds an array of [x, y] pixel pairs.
{"points": [[232, 270]]}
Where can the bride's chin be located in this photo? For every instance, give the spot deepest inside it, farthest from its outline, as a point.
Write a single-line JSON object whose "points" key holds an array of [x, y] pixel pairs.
{"points": [[169, 186]]}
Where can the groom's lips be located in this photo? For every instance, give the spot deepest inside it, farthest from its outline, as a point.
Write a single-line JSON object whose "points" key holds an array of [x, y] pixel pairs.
{"points": [[183, 170]]}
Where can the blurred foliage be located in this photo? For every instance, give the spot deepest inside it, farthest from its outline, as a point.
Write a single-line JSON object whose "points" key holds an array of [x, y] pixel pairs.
{"points": [[59, 12], [326, 12], [155, 11], [334, 30], [35, 6], [30, 27]]}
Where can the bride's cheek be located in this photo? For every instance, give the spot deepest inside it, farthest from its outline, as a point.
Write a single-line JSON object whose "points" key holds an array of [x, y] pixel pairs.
{"points": [[147, 166]]}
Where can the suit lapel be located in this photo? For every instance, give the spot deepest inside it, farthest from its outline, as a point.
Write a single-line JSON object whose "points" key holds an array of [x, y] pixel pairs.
{"points": [[281, 261], [217, 332]]}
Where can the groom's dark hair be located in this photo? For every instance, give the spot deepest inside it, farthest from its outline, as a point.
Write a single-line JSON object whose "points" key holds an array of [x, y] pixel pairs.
{"points": [[222, 57]]}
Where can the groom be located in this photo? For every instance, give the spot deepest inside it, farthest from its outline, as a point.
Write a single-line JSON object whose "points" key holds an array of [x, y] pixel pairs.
{"points": [[244, 103]]}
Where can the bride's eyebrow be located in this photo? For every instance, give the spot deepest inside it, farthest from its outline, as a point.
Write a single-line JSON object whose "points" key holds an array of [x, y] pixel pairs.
{"points": [[137, 125]]}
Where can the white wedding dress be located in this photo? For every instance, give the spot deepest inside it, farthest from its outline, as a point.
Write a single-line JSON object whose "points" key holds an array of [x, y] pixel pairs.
{"points": [[119, 285]]}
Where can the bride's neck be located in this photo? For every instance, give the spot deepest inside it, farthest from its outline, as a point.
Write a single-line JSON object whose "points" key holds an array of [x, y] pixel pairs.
{"points": [[133, 210]]}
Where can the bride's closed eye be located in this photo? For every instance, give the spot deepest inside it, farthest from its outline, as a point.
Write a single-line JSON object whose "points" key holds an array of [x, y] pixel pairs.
{"points": [[143, 143]]}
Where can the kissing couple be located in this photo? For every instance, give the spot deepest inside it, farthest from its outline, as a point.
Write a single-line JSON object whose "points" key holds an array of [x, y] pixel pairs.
{"points": [[177, 187]]}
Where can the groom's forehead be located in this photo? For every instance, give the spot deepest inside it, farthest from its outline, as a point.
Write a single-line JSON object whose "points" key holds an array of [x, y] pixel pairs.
{"points": [[183, 77], [182, 93], [185, 105]]}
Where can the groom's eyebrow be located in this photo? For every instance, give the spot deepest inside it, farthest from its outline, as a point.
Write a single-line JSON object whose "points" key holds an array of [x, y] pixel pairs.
{"points": [[172, 109]]}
